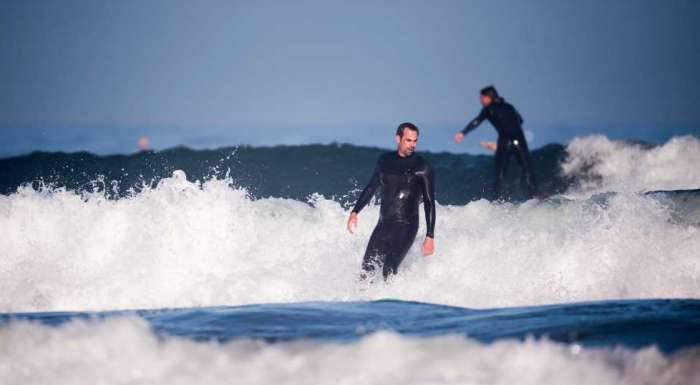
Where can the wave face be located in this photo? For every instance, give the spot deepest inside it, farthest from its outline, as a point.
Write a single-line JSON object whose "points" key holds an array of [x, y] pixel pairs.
{"points": [[183, 244]]}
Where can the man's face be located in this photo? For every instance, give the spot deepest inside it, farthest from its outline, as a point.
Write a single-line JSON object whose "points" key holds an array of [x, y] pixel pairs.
{"points": [[407, 142], [485, 100]]}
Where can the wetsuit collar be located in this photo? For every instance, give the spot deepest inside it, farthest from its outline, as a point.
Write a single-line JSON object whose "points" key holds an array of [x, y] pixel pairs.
{"points": [[405, 157]]}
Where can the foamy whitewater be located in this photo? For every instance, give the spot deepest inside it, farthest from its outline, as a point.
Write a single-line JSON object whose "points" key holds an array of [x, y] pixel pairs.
{"points": [[124, 351], [185, 244], [605, 165]]}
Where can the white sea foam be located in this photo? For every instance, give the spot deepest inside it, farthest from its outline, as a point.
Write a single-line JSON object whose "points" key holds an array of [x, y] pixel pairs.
{"points": [[125, 351], [605, 165], [185, 244]]}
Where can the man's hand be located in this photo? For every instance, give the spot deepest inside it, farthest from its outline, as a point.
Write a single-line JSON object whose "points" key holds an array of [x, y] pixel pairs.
{"points": [[428, 246], [491, 146], [352, 223], [459, 137]]}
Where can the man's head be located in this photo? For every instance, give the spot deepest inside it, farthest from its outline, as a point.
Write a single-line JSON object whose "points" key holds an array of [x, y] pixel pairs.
{"points": [[488, 95], [406, 138]]}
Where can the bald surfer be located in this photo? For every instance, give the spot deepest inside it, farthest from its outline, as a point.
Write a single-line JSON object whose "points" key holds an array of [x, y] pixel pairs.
{"points": [[511, 139], [405, 178]]}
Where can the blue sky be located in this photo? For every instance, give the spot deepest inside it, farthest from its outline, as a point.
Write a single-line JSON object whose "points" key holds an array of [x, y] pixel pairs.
{"points": [[96, 75]]}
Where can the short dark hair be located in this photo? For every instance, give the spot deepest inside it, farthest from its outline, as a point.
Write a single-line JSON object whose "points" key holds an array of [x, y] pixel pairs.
{"points": [[490, 91], [409, 125]]}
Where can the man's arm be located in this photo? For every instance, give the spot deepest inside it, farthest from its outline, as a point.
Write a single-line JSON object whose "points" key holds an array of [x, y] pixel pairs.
{"points": [[364, 198], [427, 182], [368, 192], [474, 123]]}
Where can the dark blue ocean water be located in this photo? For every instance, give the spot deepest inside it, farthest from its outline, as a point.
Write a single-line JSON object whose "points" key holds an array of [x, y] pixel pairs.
{"points": [[670, 325]]}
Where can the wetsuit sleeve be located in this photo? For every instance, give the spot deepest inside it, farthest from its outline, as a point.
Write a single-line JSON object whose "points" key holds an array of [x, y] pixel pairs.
{"points": [[427, 182], [475, 122], [368, 192]]}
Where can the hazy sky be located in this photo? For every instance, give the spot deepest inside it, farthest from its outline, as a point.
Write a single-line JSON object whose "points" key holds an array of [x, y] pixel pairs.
{"points": [[95, 75]]}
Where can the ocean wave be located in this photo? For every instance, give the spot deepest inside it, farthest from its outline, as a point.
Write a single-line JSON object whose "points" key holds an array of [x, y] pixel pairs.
{"points": [[599, 164], [184, 244], [125, 350]]}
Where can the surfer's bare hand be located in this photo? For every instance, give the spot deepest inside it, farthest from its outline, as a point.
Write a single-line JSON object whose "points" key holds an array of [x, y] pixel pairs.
{"points": [[491, 146], [352, 223], [459, 137], [428, 246]]}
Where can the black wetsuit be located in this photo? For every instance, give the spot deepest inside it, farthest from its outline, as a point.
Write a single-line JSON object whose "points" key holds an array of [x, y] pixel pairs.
{"points": [[511, 141], [404, 181]]}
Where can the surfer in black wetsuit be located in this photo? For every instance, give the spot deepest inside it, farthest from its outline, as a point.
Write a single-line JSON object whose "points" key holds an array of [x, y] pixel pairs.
{"points": [[511, 140], [405, 179]]}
